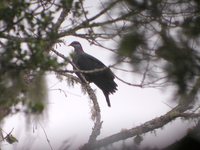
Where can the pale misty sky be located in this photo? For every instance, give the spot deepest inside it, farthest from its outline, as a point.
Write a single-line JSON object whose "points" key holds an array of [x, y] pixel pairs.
{"points": [[69, 118], [69, 115]]}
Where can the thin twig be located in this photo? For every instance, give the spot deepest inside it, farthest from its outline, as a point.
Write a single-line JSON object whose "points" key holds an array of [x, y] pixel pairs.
{"points": [[128, 83], [48, 141], [61, 91]]}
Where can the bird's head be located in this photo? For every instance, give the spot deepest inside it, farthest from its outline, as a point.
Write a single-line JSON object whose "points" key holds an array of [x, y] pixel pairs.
{"points": [[77, 46]]}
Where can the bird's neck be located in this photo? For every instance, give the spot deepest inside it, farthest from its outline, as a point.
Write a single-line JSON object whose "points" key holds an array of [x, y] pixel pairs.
{"points": [[78, 50]]}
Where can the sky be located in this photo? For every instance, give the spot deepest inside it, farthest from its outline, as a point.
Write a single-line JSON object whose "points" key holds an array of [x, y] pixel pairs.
{"points": [[68, 118]]}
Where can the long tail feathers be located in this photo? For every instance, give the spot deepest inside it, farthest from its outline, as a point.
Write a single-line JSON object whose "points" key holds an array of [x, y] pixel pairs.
{"points": [[107, 99]]}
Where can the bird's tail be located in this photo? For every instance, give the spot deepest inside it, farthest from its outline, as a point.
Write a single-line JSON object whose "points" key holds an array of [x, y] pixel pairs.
{"points": [[107, 98]]}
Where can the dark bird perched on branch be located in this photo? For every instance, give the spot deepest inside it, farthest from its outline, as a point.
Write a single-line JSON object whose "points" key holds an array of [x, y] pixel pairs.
{"points": [[97, 73]]}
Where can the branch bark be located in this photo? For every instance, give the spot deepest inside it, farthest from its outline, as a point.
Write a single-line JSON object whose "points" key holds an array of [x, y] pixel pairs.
{"points": [[96, 112], [153, 124], [146, 127]]}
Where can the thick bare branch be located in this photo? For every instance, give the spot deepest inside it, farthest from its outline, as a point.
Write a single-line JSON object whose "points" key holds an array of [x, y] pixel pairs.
{"points": [[155, 123], [146, 127]]}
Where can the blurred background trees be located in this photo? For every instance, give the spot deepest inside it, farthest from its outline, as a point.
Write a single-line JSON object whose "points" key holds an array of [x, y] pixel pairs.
{"points": [[159, 39]]}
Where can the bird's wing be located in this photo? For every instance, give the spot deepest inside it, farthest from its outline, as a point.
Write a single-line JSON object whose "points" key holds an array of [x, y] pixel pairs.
{"points": [[88, 62]]}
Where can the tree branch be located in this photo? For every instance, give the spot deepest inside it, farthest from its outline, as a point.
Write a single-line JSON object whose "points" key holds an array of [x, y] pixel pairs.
{"points": [[155, 123], [17, 38], [61, 18], [146, 127], [96, 112], [88, 22]]}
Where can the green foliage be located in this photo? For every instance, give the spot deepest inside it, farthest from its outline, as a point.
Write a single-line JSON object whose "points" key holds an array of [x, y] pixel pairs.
{"points": [[190, 26], [161, 30], [11, 139], [26, 36], [130, 43], [153, 34], [36, 107], [10, 11], [36, 93], [25, 88], [152, 31], [183, 61], [66, 3]]}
